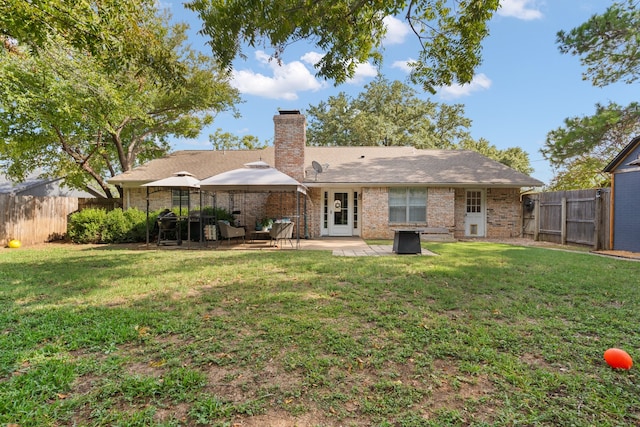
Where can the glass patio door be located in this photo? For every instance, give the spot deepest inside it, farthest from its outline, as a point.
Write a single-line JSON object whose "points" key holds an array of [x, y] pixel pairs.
{"points": [[340, 213]]}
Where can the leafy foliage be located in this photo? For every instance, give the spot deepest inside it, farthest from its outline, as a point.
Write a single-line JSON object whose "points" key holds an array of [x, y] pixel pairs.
{"points": [[61, 111], [115, 226], [390, 114], [348, 33], [608, 44], [227, 141], [114, 33], [581, 149]]}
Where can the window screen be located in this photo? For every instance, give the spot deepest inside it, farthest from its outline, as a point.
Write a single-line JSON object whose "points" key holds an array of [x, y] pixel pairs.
{"points": [[407, 205]]}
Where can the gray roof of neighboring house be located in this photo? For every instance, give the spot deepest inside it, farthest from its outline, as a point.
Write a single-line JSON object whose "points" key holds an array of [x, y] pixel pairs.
{"points": [[346, 165], [35, 186]]}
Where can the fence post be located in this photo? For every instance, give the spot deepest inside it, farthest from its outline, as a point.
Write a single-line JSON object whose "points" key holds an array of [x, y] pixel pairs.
{"points": [[536, 218], [563, 221], [597, 220]]}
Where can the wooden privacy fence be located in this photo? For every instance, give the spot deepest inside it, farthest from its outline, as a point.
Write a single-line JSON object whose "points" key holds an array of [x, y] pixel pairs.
{"points": [[578, 217], [32, 219]]}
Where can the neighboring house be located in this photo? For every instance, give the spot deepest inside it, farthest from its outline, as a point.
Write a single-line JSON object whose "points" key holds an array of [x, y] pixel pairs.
{"points": [[39, 187], [355, 191], [36, 210], [625, 198]]}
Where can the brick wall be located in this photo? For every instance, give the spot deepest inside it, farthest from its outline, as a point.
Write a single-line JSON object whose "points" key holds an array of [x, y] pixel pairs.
{"points": [[441, 207], [503, 212], [375, 213]]}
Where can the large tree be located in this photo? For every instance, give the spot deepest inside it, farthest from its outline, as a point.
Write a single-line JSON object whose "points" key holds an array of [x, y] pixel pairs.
{"points": [[391, 114], [607, 44], [114, 32], [349, 32], [585, 145], [61, 111], [609, 47], [222, 140]]}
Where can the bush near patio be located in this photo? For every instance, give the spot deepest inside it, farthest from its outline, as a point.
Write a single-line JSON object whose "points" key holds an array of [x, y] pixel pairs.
{"points": [[480, 335], [118, 226], [115, 226]]}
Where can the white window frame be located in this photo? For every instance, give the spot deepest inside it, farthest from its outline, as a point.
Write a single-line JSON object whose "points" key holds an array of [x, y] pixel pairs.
{"points": [[408, 204]]}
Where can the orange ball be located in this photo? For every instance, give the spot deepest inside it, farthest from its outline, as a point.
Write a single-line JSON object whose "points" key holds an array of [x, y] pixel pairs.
{"points": [[618, 359]]}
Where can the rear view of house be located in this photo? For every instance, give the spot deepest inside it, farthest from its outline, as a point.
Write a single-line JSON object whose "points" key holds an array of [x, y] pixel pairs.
{"points": [[357, 191]]}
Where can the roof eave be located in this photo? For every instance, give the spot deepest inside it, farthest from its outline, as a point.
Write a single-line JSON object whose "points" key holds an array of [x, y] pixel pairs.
{"points": [[317, 184], [622, 155]]}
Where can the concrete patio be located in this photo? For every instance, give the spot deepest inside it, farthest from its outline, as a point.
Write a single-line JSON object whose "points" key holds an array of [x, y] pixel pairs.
{"points": [[340, 246]]}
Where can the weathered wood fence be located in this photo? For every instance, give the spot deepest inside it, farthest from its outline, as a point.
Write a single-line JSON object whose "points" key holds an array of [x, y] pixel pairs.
{"points": [[32, 219], [579, 217]]}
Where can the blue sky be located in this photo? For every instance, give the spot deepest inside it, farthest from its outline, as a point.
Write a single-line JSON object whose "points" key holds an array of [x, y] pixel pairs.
{"points": [[524, 88]]}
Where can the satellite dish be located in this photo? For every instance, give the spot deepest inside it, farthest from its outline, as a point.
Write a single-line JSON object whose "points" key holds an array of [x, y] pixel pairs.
{"points": [[316, 166]]}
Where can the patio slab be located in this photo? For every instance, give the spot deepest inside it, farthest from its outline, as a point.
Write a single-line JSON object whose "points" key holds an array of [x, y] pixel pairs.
{"points": [[339, 246]]}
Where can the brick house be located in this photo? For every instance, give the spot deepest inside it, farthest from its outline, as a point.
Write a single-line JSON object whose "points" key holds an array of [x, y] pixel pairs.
{"points": [[356, 191]]}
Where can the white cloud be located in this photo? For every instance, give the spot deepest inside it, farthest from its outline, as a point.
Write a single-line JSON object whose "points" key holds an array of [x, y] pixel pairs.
{"points": [[285, 81], [521, 9], [397, 31], [479, 82], [404, 65], [363, 71], [311, 58]]}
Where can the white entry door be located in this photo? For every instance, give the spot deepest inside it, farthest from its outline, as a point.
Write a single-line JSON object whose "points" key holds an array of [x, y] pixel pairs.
{"points": [[475, 217], [340, 213]]}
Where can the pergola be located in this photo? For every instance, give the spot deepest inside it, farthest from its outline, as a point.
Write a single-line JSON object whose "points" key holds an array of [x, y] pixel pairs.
{"points": [[180, 180], [256, 177]]}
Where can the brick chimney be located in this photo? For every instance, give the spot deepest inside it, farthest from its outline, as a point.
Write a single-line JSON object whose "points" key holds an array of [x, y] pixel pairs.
{"points": [[290, 139]]}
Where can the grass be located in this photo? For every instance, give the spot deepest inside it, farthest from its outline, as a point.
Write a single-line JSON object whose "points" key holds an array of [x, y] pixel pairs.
{"points": [[483, 334]]}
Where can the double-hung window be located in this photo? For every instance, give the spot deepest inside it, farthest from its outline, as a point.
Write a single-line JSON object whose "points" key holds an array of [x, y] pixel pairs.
{"points": [[407, 205]]}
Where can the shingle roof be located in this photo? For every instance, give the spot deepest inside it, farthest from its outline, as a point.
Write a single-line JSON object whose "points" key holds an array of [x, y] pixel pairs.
{"points": [[33, 185], [406, 165], [346, 165], [201, 163]]}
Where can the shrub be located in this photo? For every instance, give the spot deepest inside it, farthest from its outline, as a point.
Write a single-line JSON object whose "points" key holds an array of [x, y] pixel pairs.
{"points": [[138, 224], [99, 226], [86, 225], [118, 226], [115, 227]]}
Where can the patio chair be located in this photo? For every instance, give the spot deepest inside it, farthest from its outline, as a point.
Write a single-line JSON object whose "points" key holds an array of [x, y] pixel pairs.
{"points": [[229, 232], [281, 231]]}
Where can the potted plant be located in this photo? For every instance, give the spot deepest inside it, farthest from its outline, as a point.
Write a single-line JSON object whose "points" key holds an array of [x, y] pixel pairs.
{"points": [[266, 224]]}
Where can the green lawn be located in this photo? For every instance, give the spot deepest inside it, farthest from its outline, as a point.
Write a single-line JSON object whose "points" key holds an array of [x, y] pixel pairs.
{"points": [[483, 334]]}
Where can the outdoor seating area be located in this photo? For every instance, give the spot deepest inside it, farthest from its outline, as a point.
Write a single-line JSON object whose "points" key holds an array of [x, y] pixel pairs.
{"points": [[228, 232], [253, 178], [281, 231]]}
